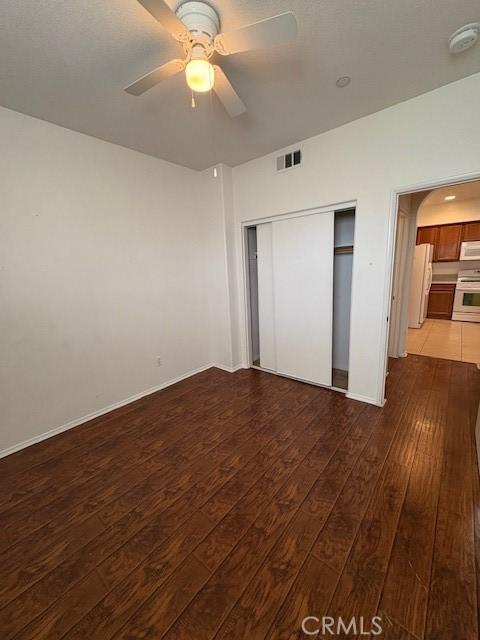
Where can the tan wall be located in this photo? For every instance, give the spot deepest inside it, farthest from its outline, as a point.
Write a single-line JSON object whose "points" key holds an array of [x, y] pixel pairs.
{"points": [[462, 211]]}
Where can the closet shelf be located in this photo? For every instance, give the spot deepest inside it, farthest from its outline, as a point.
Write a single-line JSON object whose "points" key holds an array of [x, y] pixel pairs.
{"points": [[348, 248]]}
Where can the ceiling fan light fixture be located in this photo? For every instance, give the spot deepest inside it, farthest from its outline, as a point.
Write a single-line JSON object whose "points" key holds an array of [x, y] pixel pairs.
{"points": [[196, 25], [200, 75]]}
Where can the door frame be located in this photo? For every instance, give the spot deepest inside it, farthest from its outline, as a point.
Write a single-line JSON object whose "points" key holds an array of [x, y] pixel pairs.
{"points": [[389, 273], [401, 243], [402, 271], [338, 206]]}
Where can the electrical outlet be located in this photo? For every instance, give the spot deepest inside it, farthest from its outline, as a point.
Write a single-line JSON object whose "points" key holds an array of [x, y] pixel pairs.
{"points": [[159, 361]]}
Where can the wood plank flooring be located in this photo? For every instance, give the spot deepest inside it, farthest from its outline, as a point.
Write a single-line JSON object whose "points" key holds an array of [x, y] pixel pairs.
{"points": [[231, 506]]}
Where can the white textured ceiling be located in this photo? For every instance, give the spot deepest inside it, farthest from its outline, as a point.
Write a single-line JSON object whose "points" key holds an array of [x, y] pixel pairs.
{"points": [[68, 61]]}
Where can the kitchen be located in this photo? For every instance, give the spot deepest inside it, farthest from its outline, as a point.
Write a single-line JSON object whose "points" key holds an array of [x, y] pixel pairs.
{"points": [[444, 301]]}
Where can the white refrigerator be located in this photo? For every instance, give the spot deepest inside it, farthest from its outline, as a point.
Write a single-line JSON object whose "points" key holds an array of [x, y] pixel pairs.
{"points": [[420, 285]]}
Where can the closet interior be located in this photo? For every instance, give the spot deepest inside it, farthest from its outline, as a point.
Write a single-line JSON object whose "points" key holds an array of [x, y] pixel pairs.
{"points": [[299, 280], [342, 293]]}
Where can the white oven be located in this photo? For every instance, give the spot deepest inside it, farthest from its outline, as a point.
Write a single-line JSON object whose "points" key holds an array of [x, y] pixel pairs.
{"points": [[466, 305], [470, 250]]}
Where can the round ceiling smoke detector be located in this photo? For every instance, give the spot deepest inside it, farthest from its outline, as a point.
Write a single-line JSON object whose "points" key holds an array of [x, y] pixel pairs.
{"points": [[464, 38]]}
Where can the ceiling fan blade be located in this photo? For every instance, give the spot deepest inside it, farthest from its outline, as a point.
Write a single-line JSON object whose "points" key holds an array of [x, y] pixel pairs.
{"points": [[266, 33], [227, 94], [149, 80], [167, 18]]}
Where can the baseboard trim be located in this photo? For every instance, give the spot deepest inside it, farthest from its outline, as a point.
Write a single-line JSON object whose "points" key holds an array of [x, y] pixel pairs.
{"points": [[95, 414], [367, 399], [228, 369]]}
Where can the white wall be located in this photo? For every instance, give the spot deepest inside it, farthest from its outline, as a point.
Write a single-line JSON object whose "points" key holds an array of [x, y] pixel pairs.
{"points": [[419, 142], [110, 258], [461, 211], [104, 265]]}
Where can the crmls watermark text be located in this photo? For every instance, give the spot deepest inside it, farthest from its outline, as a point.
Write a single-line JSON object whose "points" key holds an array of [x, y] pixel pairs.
{"points": [[314, 626]]}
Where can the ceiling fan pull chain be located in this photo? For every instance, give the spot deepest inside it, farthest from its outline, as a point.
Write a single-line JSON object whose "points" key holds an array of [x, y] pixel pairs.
{"points": [[193, 101]]}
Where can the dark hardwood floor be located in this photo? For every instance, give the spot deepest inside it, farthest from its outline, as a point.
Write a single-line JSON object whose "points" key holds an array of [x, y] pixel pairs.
{"points": [[231, 506]]}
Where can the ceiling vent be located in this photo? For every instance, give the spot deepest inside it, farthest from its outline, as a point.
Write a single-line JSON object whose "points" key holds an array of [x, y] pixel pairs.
{"points": [[289, 160]]}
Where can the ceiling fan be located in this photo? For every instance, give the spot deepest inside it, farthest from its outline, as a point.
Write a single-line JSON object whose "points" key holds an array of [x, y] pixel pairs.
{"points": [[196, 26]]}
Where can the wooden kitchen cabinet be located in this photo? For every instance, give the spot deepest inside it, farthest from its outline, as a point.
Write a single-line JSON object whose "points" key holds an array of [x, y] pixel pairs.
{"points": [[427, 235], [449, 239], [471, 231], [446, 240], [440, 301]]}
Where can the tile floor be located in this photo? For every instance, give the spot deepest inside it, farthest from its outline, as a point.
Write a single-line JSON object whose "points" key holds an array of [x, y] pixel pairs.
{"points": [[448, 339]]}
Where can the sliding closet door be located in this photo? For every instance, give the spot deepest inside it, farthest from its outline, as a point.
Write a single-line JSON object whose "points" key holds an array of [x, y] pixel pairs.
{"points": [[266, 321], [302, 250]]}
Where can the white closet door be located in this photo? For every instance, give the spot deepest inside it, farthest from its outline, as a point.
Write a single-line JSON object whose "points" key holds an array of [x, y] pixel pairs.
{"points": [[303, 296], [266, 323]]}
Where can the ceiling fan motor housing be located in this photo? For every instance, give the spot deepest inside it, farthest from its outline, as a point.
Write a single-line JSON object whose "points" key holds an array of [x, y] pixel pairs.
{"points": [[200, 19]]}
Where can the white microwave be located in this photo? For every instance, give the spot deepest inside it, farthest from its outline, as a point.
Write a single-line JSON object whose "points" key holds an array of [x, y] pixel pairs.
{"points": [[470, 250]]}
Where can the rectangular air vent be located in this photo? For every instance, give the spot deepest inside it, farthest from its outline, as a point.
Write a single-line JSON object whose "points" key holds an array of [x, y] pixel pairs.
{"points": [[289, 160]]}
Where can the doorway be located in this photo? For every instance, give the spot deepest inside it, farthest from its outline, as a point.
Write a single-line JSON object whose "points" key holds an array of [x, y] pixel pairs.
{"points": [[434, 310]]}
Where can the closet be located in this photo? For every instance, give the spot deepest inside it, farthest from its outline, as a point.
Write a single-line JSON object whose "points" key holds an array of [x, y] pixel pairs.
{"points": [[342, 293], [299, 283]]}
